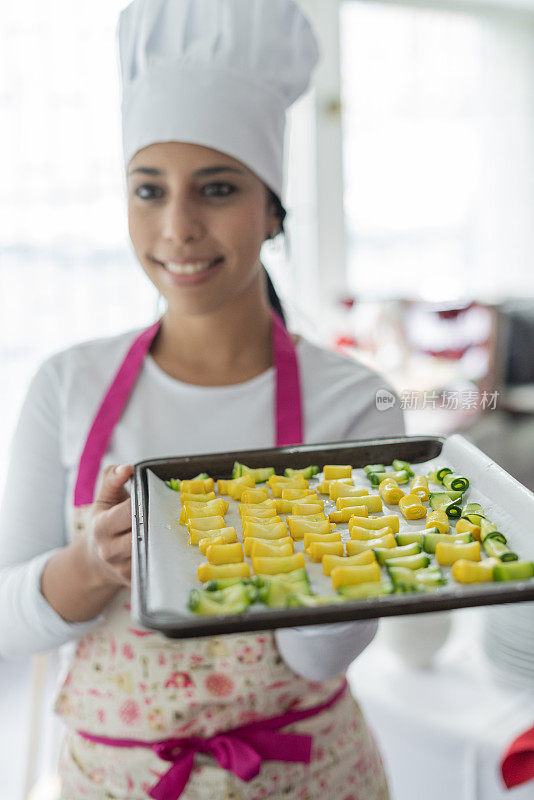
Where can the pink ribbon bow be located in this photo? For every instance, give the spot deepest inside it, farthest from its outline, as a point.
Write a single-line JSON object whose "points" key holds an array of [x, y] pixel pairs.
{"points": [[239, 750]]}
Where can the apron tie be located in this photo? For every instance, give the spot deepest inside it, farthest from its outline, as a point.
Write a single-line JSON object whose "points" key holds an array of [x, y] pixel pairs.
{"points": [[239, 750]]}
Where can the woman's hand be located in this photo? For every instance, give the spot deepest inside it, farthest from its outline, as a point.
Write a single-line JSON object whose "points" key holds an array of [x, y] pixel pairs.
{"points": [[109, 536]]}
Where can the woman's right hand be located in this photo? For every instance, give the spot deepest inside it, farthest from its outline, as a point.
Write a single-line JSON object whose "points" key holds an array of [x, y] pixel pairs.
{"points": [[109, 536]]}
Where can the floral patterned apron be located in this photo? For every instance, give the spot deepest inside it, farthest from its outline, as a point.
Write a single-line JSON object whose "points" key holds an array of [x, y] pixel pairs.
{"points": [[130, 683]]}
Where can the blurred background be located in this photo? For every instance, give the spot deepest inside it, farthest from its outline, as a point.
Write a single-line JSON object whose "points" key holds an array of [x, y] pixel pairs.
{"points": [[410, 196]]}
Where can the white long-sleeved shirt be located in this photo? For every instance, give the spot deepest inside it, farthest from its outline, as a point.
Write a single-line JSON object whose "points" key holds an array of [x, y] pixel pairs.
{"points": [[163, 417]]}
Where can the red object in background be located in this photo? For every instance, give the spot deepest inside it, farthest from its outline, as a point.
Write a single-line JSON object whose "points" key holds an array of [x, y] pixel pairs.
{"points": [[347, 302], [517, 765], [344, 341]]}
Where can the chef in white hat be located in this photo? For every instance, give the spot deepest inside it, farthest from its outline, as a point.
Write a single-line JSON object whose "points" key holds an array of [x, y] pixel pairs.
{"points": [[206, 85]]}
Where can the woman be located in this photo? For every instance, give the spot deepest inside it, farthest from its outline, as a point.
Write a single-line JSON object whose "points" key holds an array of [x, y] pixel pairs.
{"points": [[205, 88]]}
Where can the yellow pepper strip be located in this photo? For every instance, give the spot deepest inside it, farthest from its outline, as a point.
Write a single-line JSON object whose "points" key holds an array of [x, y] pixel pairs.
{"points": [[222, 486], [317, 550], [272, 565], [324, 487], [346, 513], [331, 562], [390, 491], [249, 542], [190, 509], [283, 506], [412, 507], [222, 536], [300, 526], [372, 502], [364, 533], [209, 572], [348, 576], [420, 486], [197, 498], [206, 523], [225, 553], [355, 547], [295, 529], [254, 496], [464, 526], [447, 554], [338, 489], [237, 486], [305, 509], [296, 494], [321, 537], [333, 472], [198, 486], [259, 547], [259, 531], [439, 520], [465, 571], [278, 488], [375, 523]]}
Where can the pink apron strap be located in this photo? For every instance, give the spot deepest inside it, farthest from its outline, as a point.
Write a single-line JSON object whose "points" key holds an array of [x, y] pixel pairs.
{"points": [[108, 415], [288, 403]]}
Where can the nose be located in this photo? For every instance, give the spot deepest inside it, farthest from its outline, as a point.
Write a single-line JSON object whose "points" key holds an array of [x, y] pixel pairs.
{"points": [[182, 221]]}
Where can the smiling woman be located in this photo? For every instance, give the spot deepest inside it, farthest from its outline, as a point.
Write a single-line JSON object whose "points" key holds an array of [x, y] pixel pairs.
{"points": [[204, 105]]}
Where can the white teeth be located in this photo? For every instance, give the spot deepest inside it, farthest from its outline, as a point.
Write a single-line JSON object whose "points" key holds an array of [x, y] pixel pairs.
{"points": [[187, 269]]}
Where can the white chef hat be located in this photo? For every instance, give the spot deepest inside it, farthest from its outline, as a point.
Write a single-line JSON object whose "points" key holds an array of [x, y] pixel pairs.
{"points": [[219, 73]]}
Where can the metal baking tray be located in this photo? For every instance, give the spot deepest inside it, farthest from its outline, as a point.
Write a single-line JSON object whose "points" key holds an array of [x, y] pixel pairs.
{"points": [[164, 566]]}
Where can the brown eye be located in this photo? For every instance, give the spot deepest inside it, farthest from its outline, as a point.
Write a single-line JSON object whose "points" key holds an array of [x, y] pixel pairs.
{"points": [[149, 192], [218, 189]]}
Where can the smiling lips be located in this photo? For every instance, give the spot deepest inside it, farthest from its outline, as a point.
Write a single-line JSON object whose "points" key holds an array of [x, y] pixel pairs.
{"points": [[189, 267]]}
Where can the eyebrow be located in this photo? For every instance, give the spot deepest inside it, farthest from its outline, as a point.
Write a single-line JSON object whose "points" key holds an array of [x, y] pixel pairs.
{"points": [[199, 173]]}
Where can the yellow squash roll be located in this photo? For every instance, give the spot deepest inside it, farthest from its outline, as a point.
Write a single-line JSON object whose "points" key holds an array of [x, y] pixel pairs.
{"points": [[206, 523], [312, 523], [346, 513], [348, 576], [324, 487], [273, 565], [209, 572], [305, 509], [198, 486], [355, 547], [464, 526], [338, 489], [412, 507], [335, 536], [420, 486], [390, 491], [222, 539], [439, 520], [197, 536], [255, 508], [375, 523], [283, 506], [265, 515], [333, 472], [296, 494], [364, 533], [317, 550], [254, 496], [447, 553], [372, 502], [260, 547], [222, 486], [190, 509], [264, 531], [197, 498], [237, 486], [225, 553], [287, 479], [465, 571], [331, 562], [278, 488]]}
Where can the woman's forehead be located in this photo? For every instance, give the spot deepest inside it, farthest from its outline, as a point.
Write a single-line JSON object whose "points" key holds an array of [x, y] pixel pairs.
{"points": [[183, 157]]}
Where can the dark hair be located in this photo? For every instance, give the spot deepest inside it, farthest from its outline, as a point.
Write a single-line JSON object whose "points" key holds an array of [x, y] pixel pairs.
{"points": [[281, 214]]}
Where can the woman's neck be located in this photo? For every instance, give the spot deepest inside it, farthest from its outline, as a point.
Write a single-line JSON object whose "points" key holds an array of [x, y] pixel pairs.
{"points": [[230, 345]]}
